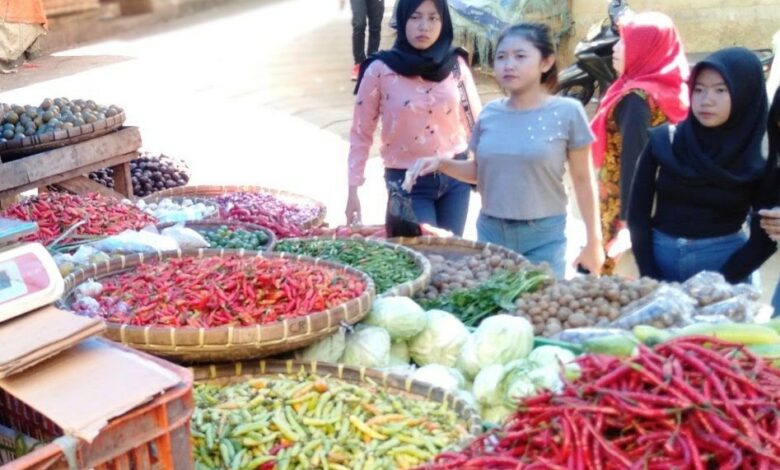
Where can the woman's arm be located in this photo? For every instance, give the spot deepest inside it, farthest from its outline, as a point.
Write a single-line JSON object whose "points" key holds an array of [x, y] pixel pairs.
{"points": [[463, 170], [640, 208], [365, 117], [632, 116], [581, 169]]}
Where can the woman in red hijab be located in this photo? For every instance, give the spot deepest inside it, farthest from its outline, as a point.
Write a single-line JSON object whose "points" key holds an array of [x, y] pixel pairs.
{"points": [[651, 90]]}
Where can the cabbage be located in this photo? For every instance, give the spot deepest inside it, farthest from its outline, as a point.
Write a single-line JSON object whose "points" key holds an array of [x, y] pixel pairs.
{"points": [[400, 316], [496, 414], [467, 358], [369, 347], [399, 354], [440, 341], [552, 356], [329, 349], [485, 386], [440, 376], [516, 382], [547, 377], [502, 338]]}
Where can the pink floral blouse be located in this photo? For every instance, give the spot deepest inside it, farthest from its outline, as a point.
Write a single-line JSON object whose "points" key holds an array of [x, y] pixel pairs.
{"points": [[419, 118]]}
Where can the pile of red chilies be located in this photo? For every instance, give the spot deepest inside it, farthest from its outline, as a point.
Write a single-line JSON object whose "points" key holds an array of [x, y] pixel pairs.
{"points": [[692, 403], [283, 218], [216, 291], [55, 213]]}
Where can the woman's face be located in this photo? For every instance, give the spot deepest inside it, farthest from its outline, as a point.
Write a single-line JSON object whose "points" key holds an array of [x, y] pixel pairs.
{"points": [[519, 64], [619, 57], [424, 26], [711, 100]]}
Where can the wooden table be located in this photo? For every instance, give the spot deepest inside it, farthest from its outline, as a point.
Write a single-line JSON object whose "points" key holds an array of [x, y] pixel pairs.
{"points": [[67, 166]]}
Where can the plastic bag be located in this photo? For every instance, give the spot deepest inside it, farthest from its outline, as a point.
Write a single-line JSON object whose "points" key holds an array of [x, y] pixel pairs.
{"points": [[400, 220], [739, 309], [185, 237], [581, 335], [668, 306], [130, 241], [708, 287]]}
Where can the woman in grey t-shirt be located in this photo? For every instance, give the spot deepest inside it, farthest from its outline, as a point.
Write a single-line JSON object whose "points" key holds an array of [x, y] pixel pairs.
{"points": [[521, 144]]}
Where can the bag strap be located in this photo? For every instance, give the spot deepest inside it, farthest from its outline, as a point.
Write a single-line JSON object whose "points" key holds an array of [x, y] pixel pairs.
{"points": [[464, 97]]}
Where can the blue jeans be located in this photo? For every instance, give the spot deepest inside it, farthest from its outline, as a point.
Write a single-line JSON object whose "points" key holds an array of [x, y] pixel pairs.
{"points": [[539, 240], [681, 258], [437, 199], [776, 300]]}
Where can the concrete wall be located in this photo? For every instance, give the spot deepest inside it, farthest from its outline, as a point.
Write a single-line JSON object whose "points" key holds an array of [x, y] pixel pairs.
{"points": [[705, 25]]}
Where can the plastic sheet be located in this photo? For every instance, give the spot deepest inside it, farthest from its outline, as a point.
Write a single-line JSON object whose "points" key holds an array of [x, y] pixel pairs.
{"points": [[667, 307]]}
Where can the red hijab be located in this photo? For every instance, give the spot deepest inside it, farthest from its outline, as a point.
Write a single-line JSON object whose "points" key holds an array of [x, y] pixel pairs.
{"points": [[656, 64]]}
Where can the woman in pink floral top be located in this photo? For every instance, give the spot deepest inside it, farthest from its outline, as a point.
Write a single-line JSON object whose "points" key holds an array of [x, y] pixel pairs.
{"points": [[414, 89]]}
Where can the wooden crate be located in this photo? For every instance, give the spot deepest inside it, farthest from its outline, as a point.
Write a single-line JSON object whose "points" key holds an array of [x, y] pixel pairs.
{"points": [[64, 7]]}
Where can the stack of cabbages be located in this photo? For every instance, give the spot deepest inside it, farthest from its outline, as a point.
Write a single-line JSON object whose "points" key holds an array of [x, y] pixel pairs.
{"points": [[490, 368]]}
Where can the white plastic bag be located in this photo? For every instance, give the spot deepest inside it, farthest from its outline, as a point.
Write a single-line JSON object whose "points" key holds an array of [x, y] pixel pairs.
{"points": [[130, 241], [185, 237]]}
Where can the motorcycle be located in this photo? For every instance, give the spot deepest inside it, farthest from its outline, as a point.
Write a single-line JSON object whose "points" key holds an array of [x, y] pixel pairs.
{"points": [[593, 73]]}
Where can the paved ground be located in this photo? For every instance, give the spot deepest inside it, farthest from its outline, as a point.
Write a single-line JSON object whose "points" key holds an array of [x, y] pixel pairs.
{"points": [[254, 93]]}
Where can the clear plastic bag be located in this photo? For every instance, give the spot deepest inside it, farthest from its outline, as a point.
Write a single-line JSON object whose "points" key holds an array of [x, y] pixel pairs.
{"points": [[185, 237], [667, 307], [739, 309], [130, 241], [581, 335], [708, 288]]}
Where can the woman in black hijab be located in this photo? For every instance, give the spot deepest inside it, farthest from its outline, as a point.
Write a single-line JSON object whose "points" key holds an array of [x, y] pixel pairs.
{"points": [[704, 176], [424, 95]]}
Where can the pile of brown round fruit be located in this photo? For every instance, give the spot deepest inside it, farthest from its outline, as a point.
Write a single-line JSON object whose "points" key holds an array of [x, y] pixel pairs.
{"points": [[581, 302], [150, 174], [51, 115], [464, 272]]}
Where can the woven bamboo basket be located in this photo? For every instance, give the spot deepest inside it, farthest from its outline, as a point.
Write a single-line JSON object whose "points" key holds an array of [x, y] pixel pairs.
{"points": [[406, 289], [398, 384], [209, 192], [224, 343], [14, 149], [455, 247], [201, 226]]}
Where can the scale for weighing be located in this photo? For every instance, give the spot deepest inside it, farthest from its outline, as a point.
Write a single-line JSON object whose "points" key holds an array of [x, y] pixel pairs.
{"points": [[29, 278]]}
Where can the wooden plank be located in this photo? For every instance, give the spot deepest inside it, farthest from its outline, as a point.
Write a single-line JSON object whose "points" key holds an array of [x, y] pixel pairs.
{"points": [[83, 185], [60, 160], [123, 180], [109, 162]]}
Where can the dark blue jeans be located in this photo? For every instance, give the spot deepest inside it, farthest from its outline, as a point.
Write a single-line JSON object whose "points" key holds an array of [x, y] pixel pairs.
{"points": [[437, 199]]}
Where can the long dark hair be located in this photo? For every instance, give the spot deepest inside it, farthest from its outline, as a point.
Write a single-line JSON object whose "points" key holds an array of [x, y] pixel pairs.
{"points": [[539, 35]]}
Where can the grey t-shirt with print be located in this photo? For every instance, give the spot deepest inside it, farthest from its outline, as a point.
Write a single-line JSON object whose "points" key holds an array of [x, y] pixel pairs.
{"points": [[521, 156]]}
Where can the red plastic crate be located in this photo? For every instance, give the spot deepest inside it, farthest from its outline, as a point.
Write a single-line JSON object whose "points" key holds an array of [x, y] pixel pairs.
{"points": [[155, 435]]}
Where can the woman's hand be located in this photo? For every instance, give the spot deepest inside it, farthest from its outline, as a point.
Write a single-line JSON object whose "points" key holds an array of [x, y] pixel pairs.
{"points": [[423, 166], [770, 221], [354, 216], [591, 258]]}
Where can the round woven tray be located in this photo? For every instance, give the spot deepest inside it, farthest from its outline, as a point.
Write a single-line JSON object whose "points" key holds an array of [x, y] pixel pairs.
{"points": [[399, 384], [14, 149], [208, 192], [455, 247], [406, 289], [224, 343], [201, 226]]}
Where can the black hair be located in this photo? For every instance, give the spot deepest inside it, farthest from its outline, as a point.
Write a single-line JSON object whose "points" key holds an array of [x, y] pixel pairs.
{"points": [[539, 35]]}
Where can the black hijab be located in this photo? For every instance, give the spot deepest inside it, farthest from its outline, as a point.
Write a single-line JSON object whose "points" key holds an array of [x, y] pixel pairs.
{"points": [[728, 155], [433, 64]]}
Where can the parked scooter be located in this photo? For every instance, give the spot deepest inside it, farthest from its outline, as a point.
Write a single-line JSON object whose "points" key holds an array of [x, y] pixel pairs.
{"points": [[593, 73]]}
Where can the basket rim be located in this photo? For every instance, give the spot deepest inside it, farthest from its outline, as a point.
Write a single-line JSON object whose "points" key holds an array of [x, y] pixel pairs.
{"points": [[341, 312], [358, 375], [431, 241], [62, 137], [404, 289], [211, 191]]}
